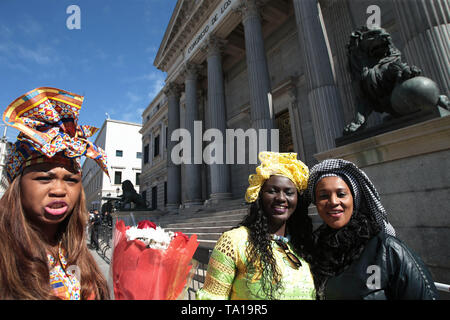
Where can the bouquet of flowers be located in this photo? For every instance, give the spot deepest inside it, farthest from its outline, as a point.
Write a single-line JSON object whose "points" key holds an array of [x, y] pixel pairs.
{"points": [[150, 263]]}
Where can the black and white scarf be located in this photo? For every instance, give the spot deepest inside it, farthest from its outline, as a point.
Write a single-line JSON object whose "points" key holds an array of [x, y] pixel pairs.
{"points": [[362, 188]]}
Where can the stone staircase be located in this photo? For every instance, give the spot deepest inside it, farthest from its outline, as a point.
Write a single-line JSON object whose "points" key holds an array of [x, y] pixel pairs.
{"points": [[208, 226]]}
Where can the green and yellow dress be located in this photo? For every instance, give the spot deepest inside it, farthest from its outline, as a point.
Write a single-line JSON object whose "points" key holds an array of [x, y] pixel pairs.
{"points": [[229, 278]]}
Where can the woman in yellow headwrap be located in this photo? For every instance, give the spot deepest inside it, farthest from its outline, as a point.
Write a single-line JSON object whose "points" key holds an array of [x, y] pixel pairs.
{"points": [[264, 257]]}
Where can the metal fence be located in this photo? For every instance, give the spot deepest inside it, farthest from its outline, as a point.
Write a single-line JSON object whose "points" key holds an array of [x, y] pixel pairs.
{"points": [[105, 241], [202, 257]]}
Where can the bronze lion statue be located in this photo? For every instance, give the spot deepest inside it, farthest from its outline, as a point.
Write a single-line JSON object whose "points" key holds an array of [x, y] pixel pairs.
{"points": [[383, 82], [131, 196]]}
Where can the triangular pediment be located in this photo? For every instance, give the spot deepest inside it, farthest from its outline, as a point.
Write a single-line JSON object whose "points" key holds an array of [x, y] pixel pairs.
{"points": [[186, 18]]}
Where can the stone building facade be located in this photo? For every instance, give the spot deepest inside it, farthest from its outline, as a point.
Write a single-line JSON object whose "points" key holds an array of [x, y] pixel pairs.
{"points": [[282, 64], [121, 142], [154, 152], [223, 58]]}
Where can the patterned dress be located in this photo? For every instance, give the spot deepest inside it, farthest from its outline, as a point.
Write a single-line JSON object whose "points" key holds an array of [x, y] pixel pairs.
{"points": [[228, 278], [64, 284]]}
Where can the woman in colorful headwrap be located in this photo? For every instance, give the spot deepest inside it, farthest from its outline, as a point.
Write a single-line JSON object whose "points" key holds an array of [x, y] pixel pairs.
{"points": [[357, 255], [43, 212], [263, 258]]}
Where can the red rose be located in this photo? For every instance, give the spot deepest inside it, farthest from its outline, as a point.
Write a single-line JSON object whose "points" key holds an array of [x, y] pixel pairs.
{"points": [[146, 224], [181, 234]]}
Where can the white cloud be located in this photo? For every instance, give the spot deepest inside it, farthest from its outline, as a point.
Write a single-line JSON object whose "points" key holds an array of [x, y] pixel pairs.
{"points": [[14, 53], [133, 97]]}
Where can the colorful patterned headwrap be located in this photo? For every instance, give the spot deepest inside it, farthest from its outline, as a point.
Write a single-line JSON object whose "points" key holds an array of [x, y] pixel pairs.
{"points": [[47, 119], [281, 164]]}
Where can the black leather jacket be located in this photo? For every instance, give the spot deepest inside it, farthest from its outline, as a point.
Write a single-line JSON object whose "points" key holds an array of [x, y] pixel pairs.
{"points": [[386, 269]]}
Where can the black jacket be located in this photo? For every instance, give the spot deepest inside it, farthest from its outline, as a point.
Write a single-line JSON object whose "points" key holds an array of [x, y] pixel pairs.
{"points": [[386, 269]]}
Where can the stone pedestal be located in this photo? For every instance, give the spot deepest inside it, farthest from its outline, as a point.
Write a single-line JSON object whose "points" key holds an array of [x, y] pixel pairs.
{"points": [[391, 125], [410, 168]]}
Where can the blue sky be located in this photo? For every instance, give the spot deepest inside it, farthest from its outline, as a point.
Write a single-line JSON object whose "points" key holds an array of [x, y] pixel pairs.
{"points": [[109, 60]]}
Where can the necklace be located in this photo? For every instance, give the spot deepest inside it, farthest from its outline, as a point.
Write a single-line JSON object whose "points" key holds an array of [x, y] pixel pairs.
{"points": [[282, 243], [276, 238]]}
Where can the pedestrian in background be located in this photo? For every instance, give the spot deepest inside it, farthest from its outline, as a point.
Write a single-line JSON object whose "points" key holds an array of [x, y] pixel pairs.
{"points": [[96, 222]]}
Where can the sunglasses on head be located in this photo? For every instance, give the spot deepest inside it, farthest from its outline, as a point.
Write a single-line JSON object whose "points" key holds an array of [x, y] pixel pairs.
{"points": [[292, 258]]}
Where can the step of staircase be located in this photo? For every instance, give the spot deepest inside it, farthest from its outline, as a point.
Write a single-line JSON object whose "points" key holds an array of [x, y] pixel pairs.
{"points": [[205, 229], [208, 226], [199, 217], [202, 224]]}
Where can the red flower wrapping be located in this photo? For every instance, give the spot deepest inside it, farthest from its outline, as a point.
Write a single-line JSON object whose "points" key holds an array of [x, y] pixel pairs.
{"points": [[146, 224], [141, 273]]}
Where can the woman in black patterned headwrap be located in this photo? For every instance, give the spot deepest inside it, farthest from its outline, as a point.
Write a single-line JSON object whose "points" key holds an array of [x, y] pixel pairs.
{"points": [[356, 254]]}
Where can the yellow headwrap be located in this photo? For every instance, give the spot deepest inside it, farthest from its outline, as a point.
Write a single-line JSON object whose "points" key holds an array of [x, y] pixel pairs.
{"points": [[274, 163]]}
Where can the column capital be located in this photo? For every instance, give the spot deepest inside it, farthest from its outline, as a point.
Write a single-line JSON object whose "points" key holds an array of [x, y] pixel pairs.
{"points": [[249, 8], [214, 45], [172, 89], [191, 71]]}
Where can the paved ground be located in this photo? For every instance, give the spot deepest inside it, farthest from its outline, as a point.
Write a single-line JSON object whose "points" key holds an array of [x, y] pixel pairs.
{"points": [[104, 266]]}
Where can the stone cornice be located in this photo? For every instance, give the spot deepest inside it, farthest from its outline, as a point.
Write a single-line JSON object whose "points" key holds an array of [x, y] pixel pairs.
{"points": [[186, 19]]}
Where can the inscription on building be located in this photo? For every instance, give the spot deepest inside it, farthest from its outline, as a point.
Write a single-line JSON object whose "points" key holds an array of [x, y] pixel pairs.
{"points": [[209, 26]]}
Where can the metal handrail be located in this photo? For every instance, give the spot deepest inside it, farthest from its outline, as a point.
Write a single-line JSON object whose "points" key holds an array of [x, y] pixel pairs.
{"points": [[442, 287], [104, 240]]}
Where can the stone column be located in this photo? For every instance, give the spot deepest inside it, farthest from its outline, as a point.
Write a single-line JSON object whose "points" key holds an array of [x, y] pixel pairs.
{"points": [[172, 91], [425, 29], [323, 94], [192, 182], [296, 128], [219, 173], [257, 69]]}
